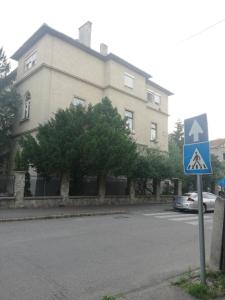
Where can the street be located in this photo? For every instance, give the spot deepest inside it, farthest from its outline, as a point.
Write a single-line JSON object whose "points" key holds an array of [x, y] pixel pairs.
{"points": [[88, 257]]}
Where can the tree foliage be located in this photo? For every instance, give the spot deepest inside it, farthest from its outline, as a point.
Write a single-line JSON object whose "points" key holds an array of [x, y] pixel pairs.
{"points": [[93, 141], [109, 148], [152, 164], [9, 100], [57, 147]]}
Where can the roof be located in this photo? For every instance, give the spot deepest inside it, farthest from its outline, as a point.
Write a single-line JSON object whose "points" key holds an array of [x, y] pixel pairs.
{"points": [[216, 143], [45, 29], [159, 87]]}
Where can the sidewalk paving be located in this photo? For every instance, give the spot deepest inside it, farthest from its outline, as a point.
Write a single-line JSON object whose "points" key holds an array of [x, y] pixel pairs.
{"points": [[162, 291]]}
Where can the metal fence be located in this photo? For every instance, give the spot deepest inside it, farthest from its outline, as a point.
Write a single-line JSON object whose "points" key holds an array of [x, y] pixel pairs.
{"points": [[86, 186], [6, 185], [116, 186], [143, 186], [41, 186]]}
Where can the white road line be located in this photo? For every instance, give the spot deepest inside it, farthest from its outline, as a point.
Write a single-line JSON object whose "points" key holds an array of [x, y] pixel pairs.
{"points": [[168, 216], [195, 223], [188, 218], [156, 214]]}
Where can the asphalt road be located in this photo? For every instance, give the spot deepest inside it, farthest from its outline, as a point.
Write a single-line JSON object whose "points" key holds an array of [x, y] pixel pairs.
{"points": [[86, 258]]}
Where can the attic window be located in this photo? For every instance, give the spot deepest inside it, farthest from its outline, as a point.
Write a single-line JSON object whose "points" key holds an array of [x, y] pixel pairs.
{"points": [[30, 61]]}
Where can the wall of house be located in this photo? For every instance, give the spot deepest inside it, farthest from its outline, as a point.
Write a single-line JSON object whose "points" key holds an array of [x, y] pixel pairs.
{"points": [[143, 116], [63, 71], [39, 85], [219, 151]]}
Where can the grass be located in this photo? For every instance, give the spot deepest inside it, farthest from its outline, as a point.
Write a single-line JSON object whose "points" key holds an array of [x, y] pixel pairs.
{"points": [[109, 298], [214, 288]]}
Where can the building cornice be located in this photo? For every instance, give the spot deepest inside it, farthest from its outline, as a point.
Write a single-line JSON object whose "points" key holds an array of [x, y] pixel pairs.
{"points": [[87, 82]]}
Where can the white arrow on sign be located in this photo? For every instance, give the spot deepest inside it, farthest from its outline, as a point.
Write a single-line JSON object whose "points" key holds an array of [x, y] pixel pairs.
{"points": [[196, 129]]}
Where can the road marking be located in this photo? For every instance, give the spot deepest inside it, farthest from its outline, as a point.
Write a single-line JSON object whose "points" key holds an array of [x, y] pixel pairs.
{"points": [[156, 214], [168, 216], [188, 218], [191, 219], [195, 223]]}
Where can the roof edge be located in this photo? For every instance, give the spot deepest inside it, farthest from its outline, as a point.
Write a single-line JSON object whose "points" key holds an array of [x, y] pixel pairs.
{"points": [[167, 92]]}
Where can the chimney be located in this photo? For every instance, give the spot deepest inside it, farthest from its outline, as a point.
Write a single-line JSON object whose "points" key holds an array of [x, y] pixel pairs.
{"points": [[103, 49], [85, 34]]}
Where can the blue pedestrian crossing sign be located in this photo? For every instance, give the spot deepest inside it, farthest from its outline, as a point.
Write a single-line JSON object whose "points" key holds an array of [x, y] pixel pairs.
{"points": [[197, 159], [196, 156]]}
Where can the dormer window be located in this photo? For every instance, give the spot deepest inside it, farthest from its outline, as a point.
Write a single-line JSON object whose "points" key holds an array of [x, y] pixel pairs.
{"points": [[153, 97], [30, 61]]}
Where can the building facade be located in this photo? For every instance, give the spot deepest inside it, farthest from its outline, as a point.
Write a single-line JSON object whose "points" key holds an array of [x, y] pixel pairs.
{"points": [[217, 147], [55, 71]]}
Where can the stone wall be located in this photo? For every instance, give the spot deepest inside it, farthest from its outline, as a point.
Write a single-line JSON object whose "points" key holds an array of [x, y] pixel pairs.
{"points": [[78, 201]]}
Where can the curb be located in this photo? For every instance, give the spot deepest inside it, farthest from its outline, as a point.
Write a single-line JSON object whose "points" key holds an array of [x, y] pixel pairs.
{"points": [[62, 216]]}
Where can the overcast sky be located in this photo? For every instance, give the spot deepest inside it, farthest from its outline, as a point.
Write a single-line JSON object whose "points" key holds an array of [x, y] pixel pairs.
{"points": [[170, 39]]}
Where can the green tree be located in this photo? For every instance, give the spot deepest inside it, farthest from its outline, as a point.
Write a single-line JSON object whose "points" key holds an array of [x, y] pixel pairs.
{"points": [[109, 148], [178, 134], [218, 168], [91, 142], [9, 101], [57, 147]]}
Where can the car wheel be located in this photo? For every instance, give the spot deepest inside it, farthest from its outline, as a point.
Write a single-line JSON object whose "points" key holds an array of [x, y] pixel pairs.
{"points": [[204, 208]]}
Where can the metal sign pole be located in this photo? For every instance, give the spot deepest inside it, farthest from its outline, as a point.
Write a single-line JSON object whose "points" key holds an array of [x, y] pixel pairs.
{"points": [[201, 230]]}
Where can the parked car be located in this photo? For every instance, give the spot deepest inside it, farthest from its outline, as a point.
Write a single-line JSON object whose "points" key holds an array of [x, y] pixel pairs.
{"points": [[189, 201]]}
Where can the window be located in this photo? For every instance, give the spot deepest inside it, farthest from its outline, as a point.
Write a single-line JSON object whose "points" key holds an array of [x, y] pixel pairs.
{"points": [[153, 132], [30, 61], [78, 101], [128, 80], [153, 97], [27, 101], [129, 120]]}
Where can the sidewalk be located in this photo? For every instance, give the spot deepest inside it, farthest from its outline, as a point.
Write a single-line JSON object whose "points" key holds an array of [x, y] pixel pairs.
{"points": [[162, 291], [23, 214]]}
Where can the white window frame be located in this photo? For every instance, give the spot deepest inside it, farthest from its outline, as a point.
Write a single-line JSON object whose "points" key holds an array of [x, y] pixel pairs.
{"points": [[129, 115], [156, 97], [27, 104], [30, 61], [153, 132], [128, 80], [78, 101]]}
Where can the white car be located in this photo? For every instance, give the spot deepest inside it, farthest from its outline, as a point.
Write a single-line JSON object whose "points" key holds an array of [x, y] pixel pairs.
{"points": [[189, 201]]}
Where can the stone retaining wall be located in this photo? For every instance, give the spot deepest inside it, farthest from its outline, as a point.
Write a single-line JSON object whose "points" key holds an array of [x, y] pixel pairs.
{"points": [[78, 201]]}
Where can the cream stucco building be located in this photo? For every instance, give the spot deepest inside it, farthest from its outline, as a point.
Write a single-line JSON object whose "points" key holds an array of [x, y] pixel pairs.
{"points": [[55, 71]]}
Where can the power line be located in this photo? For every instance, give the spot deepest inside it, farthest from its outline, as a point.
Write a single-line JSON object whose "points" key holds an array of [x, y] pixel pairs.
{"points": [[202, 31]]}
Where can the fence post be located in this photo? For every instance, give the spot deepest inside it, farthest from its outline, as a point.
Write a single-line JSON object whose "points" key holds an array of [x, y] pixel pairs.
{"points": [[179, 187], [101, 187], [19, 188], [65, 187], [132, 189]]}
